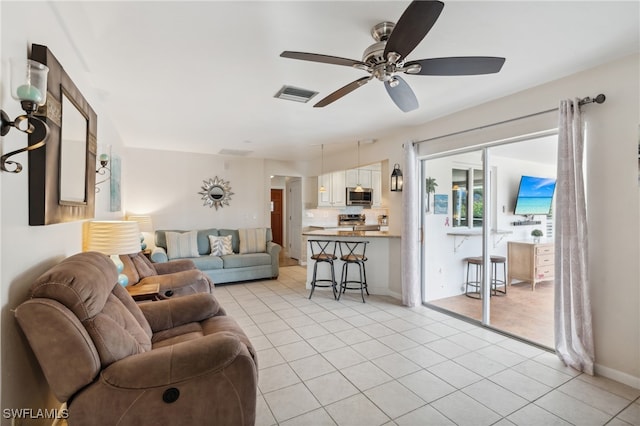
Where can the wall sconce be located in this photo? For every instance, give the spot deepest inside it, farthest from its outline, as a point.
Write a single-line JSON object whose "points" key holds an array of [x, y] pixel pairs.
{"points": [[29, 86], [103, 170], [396, 178]]}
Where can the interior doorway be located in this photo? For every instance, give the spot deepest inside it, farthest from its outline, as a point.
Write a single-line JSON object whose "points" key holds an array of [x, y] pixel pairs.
{"points": [[276, 215], [286, 217]]}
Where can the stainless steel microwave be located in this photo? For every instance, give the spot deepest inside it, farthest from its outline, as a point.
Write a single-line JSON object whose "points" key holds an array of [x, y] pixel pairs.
{"points": [[359, 198]]}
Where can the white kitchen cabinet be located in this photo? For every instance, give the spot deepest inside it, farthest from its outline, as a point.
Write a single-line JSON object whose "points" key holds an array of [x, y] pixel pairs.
{"points": [[324, 198], [359, 176], [376, 185], [336, 184], [338, 196], [334, 196], [351, 177]]}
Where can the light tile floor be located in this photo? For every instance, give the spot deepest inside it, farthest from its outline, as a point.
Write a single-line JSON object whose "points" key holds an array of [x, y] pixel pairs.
{"points": [[324, 362]]}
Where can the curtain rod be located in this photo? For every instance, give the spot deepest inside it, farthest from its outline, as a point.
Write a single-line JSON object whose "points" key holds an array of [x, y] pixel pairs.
{"points": [[588, 100]]}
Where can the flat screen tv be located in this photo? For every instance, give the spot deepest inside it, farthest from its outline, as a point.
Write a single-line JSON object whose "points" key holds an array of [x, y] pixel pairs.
{"points": [[535, 195]]}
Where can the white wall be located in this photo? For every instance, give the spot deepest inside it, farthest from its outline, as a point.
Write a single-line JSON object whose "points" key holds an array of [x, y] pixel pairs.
{"points": [[166, 185], [27, 251]]}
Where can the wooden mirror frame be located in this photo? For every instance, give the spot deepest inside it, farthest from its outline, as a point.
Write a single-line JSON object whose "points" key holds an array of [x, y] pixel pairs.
{"points": [[45, 206]]}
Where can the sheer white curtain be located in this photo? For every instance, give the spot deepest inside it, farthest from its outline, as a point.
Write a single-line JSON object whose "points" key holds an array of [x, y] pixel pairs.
{"points": [[573, 328], [410, 248]]}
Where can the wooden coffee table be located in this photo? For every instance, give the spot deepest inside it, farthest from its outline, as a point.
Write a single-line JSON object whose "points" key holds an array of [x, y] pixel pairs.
{"points": [[144, 291]]}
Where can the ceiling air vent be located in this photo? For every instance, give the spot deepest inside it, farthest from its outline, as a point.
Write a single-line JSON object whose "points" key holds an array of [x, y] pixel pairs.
{"points": [[297, 94]]}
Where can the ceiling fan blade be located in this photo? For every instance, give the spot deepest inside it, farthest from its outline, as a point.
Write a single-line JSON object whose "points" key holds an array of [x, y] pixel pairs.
{"points": [[342, 91], [402, 94], [468, 65], [325, 59], [413, 26]]}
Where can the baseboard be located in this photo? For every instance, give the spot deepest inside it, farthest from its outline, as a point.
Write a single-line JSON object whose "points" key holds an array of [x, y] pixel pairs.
{"points": [[394, 294], [618, 376]]}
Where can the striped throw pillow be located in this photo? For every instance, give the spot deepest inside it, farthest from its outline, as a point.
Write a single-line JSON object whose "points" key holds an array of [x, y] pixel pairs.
{"points": [[253, 240], [221, 246], [182, 244]]}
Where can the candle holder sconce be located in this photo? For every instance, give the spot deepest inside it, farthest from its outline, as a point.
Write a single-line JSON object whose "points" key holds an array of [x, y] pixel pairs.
{"points": [[29, 86], [103, 170]]}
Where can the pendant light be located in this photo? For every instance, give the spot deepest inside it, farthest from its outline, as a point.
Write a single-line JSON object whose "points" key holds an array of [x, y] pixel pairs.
{"points": [[358, 186], [322, 188]]}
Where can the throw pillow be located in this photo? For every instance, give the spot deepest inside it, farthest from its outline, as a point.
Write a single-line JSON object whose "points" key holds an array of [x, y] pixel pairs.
{"points": [[180, 245], [253, 240], [220, 246]]}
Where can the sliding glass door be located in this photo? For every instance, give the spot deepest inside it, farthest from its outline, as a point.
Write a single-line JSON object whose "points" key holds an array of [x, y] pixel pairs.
{"points": [[482, 258]]}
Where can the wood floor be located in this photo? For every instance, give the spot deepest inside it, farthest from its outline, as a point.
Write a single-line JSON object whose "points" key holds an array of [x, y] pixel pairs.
{"points": [[521, 312]]}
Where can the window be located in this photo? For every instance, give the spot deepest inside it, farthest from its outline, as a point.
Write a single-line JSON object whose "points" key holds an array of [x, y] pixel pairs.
{"points": [[465, 199]]}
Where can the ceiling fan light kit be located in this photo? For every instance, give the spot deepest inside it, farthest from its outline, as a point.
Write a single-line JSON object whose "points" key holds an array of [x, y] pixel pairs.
{"points": [[386, 58]]}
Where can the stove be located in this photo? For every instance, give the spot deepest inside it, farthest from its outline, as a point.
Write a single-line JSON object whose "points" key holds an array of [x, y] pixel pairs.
{"points": [[351, 219]]}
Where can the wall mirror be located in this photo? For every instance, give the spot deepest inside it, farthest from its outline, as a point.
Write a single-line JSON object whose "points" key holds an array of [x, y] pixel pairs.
{"points": [[62, 173], [216, 193], [73, 153]]}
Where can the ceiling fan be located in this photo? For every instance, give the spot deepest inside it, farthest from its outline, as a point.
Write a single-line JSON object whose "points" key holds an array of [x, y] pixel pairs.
{"points": [[386, 58]]}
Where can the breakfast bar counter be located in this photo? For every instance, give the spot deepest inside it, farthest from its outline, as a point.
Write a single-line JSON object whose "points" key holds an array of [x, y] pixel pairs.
{"points": [[349, 233], [383, 253]]}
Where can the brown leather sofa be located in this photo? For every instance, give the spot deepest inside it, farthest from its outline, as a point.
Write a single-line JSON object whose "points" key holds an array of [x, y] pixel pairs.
{"points": [[176, 278], [180, 361]]}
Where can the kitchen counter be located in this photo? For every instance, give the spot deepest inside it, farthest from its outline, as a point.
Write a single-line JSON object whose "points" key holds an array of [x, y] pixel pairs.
{"points": [[383, 251], [349, 233]]}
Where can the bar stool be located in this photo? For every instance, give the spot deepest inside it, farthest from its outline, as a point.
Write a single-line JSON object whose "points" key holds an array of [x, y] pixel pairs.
{"points": [[353, 253], [474, 285], [495, 282], [323, 251]]}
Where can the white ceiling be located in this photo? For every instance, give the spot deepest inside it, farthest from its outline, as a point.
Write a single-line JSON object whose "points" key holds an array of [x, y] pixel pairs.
{"points": [[200, 76]]}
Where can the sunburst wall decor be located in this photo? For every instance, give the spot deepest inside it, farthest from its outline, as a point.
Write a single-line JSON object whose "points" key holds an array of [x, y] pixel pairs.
{"points": [[216, 192]]}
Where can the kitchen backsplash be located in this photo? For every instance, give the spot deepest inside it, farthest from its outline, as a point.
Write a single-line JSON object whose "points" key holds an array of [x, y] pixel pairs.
{"points": [[329, 217]]}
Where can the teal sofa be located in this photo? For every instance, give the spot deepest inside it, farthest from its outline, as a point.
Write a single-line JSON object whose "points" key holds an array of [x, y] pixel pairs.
{"points": [[228, 268]]}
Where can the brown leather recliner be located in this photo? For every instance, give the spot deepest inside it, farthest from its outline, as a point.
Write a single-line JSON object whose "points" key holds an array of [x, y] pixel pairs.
{"points": [[176, 278], [180, 361]]}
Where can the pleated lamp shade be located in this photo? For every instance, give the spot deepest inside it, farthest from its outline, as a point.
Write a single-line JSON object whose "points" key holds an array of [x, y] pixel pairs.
{"points": [[144, 222], [113, 237]]}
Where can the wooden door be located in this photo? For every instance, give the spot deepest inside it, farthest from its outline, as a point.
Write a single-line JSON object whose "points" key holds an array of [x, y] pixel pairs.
{"points": [[276, 215]]}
